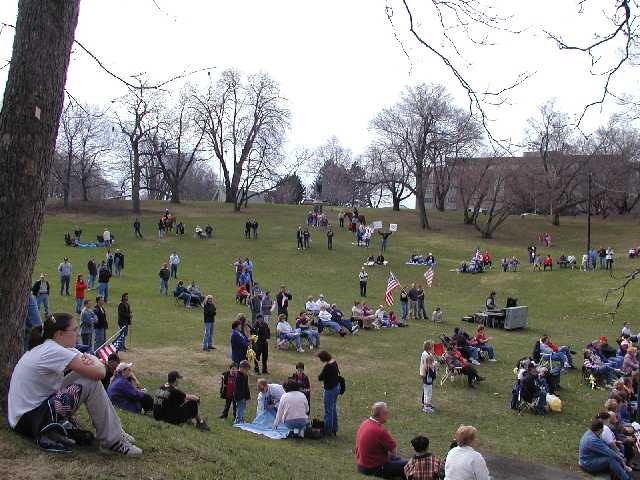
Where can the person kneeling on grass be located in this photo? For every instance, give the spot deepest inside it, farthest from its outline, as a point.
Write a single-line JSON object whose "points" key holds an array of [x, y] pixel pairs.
{"points": [[42, 400], [293, 410], [595, 456], [172, 405], [125, 392]]}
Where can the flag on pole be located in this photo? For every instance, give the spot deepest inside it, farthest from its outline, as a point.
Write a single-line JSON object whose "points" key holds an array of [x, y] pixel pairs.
{"points": [[110, 347], [428, 275], [392, 283]]}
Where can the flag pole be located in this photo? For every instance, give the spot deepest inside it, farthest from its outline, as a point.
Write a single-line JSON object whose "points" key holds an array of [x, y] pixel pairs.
{"points": [[108, 340]]}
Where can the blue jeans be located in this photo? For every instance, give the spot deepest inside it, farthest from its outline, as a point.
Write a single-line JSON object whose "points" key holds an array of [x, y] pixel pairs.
{"points": [[296, 423], [556, 357], [174, 271], [605, 465], [295, 338], [43, 299], [485, 347], [91, 280], [312, 336], [332, 325], [241, 406], [164, 286], [103, 290], [207, 341], [346, 323], [404, 310], [330, 398], [606, 371], [185, 297], [64, 284], [473, 353], [602, 263], [118, 268], [79, 302], [99, 337]]}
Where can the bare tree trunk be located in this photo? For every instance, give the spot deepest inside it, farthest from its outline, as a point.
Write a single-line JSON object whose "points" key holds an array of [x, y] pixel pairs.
{"points": [[423, 221], [396, 203], [175, 192], [29, 119], [556, 219], [135, 181]]}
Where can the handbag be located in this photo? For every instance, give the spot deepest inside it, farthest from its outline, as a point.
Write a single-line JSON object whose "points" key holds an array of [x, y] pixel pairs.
{"points": [[342, 383]]}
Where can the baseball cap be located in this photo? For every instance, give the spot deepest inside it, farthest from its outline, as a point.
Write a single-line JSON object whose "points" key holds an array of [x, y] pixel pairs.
{"points": [[123, 366], [173, 376]]}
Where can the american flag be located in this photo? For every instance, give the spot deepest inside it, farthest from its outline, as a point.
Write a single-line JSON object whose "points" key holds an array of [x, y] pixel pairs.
{"points": [[478, 255], [111, 347], [392, 283], [428, 275]]}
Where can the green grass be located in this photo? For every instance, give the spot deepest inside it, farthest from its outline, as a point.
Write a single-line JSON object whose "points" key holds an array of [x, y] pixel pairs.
{"points": [[377, 365]]}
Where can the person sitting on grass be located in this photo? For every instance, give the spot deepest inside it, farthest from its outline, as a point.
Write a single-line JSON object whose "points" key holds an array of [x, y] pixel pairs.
{"points": [[630, 363], [463, 461], [556, 353], [293, 410], [227, 387], [376, 453], [436, 315], [595, 456], [113, 361], [303, 324], [454, 359], [482, 343], [287, 334], [423, 465], [172, 405], [125, 391], [325, 317], [41, 397]]}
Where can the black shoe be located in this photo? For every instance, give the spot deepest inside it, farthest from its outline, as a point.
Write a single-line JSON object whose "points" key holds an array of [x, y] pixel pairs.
{"points": [[265, 372], [202, 426], [342, 334], [51, 446], [61, 439], [480, 379], [256, 370]]}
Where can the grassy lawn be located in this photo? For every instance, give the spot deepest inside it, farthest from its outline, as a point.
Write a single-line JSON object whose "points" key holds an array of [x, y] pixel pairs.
{"points": [[378, 365]]}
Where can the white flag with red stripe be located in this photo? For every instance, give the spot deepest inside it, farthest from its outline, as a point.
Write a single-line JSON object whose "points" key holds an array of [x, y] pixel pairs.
{"points": [[428, 275]]}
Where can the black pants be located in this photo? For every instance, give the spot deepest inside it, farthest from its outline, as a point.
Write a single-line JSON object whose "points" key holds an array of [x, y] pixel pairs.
{"points": [[147, 403], [306, 242], [138, 233], [471, 373], [342, 223], [422, 313], [227, 404], [300, 243], [262, 354], [363, 289], [64, 284], [247, 234], [330, 243]]}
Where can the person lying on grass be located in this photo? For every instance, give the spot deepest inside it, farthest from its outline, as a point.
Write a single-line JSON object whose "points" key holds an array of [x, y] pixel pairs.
{"points": [[42, 398]]}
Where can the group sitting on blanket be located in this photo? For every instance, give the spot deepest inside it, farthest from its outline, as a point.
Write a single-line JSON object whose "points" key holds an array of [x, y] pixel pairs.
{"points": [[373, 261], [429, 260]]}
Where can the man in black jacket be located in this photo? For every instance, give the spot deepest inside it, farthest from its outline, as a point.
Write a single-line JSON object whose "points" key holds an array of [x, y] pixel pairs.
{"points": [[261, 347], [282, 300], [101, 326], [124, 317], [104, 275], [92, 268], [209, 310], [41, 291], [530, 391]]}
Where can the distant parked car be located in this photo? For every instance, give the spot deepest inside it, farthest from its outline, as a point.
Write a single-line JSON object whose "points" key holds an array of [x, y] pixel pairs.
{"points": [[480, 210], [527, 214], [307, 201]]}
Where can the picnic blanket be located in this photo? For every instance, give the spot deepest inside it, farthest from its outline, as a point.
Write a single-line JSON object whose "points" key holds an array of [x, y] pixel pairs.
{"points": [[262, 425]]}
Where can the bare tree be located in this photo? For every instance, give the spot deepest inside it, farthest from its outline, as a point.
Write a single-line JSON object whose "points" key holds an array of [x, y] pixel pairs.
{"points": [[242, 119], [472, 185], [31, 108], [497, 198], [387, 164], [175, 143], [415, 123]]}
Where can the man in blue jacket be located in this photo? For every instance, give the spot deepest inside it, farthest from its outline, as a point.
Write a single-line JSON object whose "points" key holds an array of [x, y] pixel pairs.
{"points": [[597, 457]]}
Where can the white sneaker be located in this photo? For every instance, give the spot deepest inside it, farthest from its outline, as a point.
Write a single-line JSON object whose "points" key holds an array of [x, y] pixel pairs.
{"points": [[122, 448], [128, 438], [492, 360], [300, 350], [475, 362], [310, 347]]}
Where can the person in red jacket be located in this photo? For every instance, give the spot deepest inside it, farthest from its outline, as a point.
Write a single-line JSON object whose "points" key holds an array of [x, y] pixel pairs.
{"points": [[81, 288], [375, 447], [547, 263]]}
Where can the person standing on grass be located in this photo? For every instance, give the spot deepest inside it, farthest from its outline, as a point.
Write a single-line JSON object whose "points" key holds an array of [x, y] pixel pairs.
{"points": [[263, 333], [404, 304], [266, 306], [306, 237], [92, 268], [164, 276], [136, 228], [241, 392], [227, 388], [65, 276], [174, 261], [118, 262], [247, 229], [413, 302], [609, 258], [329, 376], [31, 320], [363, 277], [80, 289], [109, 258], [384, 237], [282, 300], [88, 321], [209, 313], [124, 317], [248, 268], [101, 325], [238, 342], [104, 275], [329, 238], [299, 238], [376, 452], [254, 228], [422, 313], [40, 290], [428, 365]]}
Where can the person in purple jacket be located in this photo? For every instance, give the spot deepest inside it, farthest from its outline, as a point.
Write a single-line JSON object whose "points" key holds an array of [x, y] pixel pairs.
{"points": [[125, 392]]}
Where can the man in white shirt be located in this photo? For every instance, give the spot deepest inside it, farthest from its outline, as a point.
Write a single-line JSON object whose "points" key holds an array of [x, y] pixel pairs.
{"points": [[106, 236], [174, 261], [269, 395], [311, 306], [322, 303], [324, 316]]}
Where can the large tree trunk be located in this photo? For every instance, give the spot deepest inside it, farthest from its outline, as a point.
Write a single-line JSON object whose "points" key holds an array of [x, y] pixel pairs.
{"points": [[396, 204], [423, 221], [135, 181], [175, 193], [556, 219], [33, 99]]}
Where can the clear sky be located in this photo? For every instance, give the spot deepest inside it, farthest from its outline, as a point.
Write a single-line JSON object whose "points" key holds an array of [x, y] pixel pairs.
{"points": [[338, 61]]}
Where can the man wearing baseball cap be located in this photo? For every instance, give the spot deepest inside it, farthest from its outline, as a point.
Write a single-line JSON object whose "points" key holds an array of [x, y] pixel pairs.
{"points": [[172, 405]]}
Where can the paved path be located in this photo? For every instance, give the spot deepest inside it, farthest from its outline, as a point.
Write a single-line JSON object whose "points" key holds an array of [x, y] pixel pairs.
{"points": [[507, 468]]}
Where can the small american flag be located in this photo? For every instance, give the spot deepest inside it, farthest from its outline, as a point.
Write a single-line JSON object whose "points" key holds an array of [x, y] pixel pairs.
{"points": [[111, 347], [428, 275], [392, 283]]}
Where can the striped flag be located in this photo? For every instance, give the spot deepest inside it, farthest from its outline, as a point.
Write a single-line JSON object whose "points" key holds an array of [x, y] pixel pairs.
{"points": [[392, 283], [111, 347], [428, 275]]}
